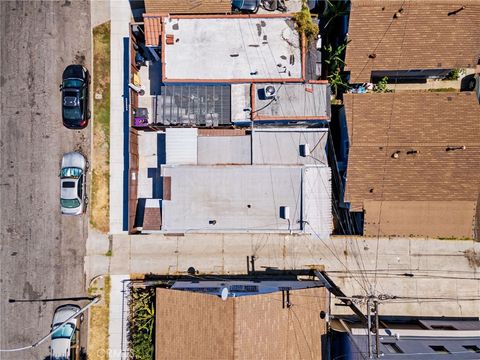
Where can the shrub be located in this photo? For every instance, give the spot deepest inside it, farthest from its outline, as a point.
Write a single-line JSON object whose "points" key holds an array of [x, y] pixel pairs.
{"points": [[142, 323]]}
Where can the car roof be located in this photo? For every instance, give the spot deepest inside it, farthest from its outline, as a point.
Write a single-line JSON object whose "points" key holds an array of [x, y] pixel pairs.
{"points": [[69, 192]]}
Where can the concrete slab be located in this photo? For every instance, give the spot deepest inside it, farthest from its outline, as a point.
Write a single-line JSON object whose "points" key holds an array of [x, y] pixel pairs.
{"points": [[121, 15], [118, 316], [440, 268]]}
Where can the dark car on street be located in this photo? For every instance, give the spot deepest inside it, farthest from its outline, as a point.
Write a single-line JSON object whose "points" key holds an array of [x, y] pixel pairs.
{"points": [[74, 88]]}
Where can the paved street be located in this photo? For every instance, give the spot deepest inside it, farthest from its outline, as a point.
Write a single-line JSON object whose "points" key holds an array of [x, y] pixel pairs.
{"points": [[41, 252]]}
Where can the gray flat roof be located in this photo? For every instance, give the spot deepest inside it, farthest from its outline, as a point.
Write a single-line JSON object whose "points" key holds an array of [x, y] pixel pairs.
{"points": [[292, 102], [247, 198], [232, 49]]}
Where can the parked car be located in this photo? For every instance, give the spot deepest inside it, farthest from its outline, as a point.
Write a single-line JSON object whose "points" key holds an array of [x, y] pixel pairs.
{"points": [[74, 88], [65, 340], [73, 197], [246, 6]]}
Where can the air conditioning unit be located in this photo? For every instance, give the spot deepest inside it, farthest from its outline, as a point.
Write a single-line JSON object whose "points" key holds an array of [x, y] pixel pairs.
{"points": [[268, 92]]}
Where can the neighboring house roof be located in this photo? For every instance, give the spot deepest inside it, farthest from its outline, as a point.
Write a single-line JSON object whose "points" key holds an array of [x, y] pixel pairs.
{"points": [[440, 219], [420, 36], [199, 326], [188, 6], [381, 125]]}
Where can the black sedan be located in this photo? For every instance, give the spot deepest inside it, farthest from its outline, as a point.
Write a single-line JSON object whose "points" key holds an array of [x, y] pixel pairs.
{"points": [[74, 88]]}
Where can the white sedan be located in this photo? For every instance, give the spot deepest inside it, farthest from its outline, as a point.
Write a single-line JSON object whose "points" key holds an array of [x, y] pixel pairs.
{"points": [[73, 197]]}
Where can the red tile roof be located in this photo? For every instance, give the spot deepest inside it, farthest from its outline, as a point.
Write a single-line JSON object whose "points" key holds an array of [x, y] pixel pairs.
{"points": [[153, 29]]}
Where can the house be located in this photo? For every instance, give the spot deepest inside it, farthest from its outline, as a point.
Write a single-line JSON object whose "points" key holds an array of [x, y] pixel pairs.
{"points": [[263, 319], [206, 79], [407, 337], [234, 180], [411, 40], [413, 163]]}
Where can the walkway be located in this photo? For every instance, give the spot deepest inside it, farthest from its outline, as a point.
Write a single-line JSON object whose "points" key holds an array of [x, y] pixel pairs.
{"points": [[120, 18]]}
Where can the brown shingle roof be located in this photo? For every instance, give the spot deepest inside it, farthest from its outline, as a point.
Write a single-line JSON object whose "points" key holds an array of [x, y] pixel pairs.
{"points": [[382, 124], [422, 37], [191, 326], [439, 219], [188, 6]]}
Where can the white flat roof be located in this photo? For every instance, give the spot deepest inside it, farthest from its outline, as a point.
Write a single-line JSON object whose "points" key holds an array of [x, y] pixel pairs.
{"points": [[232, 48], [246, 198]]}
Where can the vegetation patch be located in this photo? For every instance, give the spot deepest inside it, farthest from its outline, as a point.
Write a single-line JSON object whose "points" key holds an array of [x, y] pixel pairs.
{"points": [[304, 22], [99, 212], [142, 323], [98, 320], [455, 74]]}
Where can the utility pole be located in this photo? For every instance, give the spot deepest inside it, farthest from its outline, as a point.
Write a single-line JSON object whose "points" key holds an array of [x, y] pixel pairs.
{"points": [[369, 328], [377, 329]]}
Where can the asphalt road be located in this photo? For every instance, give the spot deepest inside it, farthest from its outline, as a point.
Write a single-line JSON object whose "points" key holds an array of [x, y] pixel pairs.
{"points": [[42, 252]]}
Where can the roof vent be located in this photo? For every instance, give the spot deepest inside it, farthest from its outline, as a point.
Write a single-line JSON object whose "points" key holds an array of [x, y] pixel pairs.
{"points": [[453, 148], [304, 150], [396, 154]]}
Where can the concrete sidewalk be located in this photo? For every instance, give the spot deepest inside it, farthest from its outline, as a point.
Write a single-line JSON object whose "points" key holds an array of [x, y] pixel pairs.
{"points": [[441, 268], [120, 17]]}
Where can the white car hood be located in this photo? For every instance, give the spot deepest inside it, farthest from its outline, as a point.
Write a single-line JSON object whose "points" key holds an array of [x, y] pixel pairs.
{"points": [[73, 159]]}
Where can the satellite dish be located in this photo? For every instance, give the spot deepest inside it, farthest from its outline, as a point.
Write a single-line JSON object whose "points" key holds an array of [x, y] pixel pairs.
{"points": [[225, 293]]}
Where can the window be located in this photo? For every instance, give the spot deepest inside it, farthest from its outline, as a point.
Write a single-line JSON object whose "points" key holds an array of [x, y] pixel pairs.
{"points": [[472, 348], [392, 348], [439, 349]]}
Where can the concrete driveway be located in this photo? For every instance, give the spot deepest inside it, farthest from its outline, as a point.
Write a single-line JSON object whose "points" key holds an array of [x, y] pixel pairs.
{"points": [[42, 252]]}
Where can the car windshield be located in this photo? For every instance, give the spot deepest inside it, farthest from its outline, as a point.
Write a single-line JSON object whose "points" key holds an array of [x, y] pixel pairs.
{"points": [[70, 203], [64, 332], [71, 172], [72, 83], [71, 112]]}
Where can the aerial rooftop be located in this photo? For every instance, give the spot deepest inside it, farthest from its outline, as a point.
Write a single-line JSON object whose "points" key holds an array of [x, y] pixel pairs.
{"points": [[257, 48], [418, 151], [200, 326], [233, 180], [420, 34]]}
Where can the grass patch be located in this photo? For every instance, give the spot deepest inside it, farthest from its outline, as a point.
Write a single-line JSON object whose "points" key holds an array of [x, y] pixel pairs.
{"points": [[99, 213], [99, 317], [109, 253]]}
